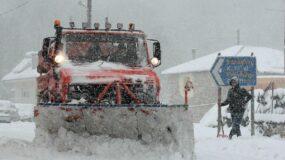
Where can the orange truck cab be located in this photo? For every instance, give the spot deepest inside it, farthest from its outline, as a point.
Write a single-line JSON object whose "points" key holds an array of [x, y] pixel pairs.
{"points": [[98, 66]]}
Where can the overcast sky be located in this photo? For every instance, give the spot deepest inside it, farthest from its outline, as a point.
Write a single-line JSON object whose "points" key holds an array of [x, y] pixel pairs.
{"points": [[181, 25]]}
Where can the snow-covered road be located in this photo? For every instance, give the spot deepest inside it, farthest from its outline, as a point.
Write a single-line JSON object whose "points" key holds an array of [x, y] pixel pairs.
{"points": [[18, 130], [242, 148], [16, 144]]}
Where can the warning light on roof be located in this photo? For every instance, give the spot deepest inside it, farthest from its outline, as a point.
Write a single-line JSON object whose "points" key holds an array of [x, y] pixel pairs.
{"points": [[84, 25], [131, 26], [72, 24], [96, 26], [108, 25], [120, 26], [57, 23]]}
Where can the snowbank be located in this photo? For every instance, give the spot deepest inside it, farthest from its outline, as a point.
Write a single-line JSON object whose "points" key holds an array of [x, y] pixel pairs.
{"points": [[26, 111], [246, 147], [167, 130], [208, 147], [16, 143], [18, 130], [7, 105], [8, 112], [16, 111], [103, 147], [210, 119]]}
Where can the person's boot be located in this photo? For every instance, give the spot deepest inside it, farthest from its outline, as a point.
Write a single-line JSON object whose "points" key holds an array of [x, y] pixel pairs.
{"points": [[238, 133], [231, 135]]}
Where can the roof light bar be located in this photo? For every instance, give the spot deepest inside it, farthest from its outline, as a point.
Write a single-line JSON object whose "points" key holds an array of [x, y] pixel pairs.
{"points": [[72, 24], [57, 23], [84, 25], [131, 26], [108, 25], [120, 26], [96, 26]]}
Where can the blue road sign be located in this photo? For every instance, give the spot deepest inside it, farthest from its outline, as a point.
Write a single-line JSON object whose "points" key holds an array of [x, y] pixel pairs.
{"points": [[225, 68]]}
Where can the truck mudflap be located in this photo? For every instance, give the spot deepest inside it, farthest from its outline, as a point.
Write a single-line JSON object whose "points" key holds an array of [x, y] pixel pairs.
{"points": [[151, 124]]}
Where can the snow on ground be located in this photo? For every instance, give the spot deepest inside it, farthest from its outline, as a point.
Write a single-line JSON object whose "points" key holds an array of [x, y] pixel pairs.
{"points": [[16, 111], [210, 118], [26, 111], [18, 130], [8, 112], [242, 148], [16, 144]]}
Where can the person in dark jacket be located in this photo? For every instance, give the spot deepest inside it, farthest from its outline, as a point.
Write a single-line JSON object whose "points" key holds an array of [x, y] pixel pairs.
{"points": [[237, 99]]}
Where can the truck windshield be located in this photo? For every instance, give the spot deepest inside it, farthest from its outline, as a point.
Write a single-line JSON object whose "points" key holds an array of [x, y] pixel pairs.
{"points": [[118, 48]]}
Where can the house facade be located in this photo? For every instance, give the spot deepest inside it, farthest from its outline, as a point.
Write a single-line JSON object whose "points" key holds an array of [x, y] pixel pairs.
{"points": [[21, 81], [204, 94]]}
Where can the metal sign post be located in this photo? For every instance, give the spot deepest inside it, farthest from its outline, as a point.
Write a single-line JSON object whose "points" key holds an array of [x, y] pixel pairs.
{"points": [[252, 112], [224, 69], [220, 122]]}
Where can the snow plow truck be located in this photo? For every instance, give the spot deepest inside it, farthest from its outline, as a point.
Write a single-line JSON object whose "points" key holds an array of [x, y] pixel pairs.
{"points": [[101, 81]]}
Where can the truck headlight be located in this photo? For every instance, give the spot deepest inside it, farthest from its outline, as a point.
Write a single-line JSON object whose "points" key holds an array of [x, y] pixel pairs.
{"points": [[155, 61], [59, 59]]}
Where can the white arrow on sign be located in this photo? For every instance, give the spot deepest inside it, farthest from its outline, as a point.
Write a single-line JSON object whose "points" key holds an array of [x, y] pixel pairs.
{"points": [[216, 72]]}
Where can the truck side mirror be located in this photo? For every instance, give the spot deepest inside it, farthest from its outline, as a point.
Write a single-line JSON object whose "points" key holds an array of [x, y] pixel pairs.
{"points": [[156, 60], [156, 50], [45, 47]]}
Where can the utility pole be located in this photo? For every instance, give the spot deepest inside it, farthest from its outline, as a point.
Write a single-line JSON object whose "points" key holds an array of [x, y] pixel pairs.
{"points": [[89, 13], [284, 43]]}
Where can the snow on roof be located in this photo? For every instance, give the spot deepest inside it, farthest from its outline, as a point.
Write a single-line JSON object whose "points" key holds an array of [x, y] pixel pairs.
{"points": [[24, 69], [268, 60]]}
